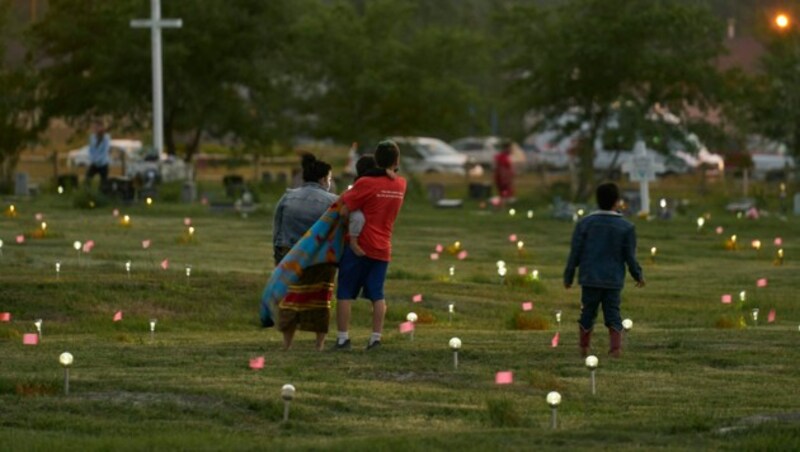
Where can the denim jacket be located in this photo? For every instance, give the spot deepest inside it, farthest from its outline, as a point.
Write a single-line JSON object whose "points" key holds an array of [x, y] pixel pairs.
{"points": [[298, 209], [602, 244]]}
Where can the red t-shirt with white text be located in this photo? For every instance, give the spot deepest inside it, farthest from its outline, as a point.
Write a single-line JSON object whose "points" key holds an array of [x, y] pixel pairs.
{"points": [[380, 199]]}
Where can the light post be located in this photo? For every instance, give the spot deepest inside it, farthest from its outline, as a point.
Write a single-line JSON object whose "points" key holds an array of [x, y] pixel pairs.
{"points": [[66, 360], [412, 317], [591, 364], [554, 400], [287, 394], [455, 346]]}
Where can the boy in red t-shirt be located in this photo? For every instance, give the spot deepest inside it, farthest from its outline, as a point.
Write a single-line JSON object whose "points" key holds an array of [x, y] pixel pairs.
{"points": [[380, 199]]}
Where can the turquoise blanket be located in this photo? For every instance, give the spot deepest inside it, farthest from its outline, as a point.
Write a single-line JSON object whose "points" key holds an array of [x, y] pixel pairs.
{"points": [[323, 243]]}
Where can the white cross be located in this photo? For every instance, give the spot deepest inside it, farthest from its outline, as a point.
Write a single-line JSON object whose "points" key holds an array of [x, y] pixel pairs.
{"points": [[155, 24]]}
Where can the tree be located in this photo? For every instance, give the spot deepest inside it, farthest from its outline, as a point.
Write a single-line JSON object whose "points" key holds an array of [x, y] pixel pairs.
{"points": [[19, 125], [377, 68], [96, 65], [580, 64]]}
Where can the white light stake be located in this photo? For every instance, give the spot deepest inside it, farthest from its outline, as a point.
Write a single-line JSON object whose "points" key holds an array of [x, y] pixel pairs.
{"points": [[287, 394], [128, 269], [754, 313], [558, 318], [1, 248], [535, 275], [38, 324], [520, 245], [554, 400], [512, 212], [591, 364], [530, 214], [700, 222], [60, 190], [191, 231], [627, 326], [66, 360], [743, 296], [779, 261], [455, 346], [44, 226], [452, 271], [153, 329], [653, 252], [58, 270], [412, 317], [502, 272], [77, 245], [188, 273], [451, 309]]}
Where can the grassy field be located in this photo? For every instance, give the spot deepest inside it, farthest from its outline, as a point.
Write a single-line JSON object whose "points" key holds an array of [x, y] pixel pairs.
{"points": [[692, 377]]}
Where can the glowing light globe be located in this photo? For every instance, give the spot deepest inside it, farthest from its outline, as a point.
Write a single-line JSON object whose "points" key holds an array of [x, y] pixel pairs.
{"points": [[553, 399], [411, 317], [591, 362], [455, 343], [287, 392], [65, 359], [627, 324], [77, 245]]}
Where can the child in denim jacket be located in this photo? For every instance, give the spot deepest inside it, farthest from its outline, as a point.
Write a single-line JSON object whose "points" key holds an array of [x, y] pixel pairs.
{"points": [[603, 243]]}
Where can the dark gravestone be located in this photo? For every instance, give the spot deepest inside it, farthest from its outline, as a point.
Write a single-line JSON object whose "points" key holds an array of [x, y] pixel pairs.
{"points": [[119, 187], [234, 185], [267, 179], [435, 192], [21, 184], [797, 203], [480, 191]]}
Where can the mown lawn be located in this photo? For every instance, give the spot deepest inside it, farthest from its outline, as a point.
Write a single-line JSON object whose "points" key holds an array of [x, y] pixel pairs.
{"points": [[689, 370]]}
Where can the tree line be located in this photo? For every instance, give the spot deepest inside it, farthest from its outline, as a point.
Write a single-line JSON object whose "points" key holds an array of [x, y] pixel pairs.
{"points": [[258, 74]]}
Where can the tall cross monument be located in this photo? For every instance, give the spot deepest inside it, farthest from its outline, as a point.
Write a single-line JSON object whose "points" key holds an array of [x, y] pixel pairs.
{"points": [[155, 24]]}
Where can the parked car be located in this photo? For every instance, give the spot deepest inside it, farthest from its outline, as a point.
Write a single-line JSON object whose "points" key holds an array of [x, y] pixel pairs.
{"points": [[79, 158], [419, 155], [482, 150], [771, 161]]}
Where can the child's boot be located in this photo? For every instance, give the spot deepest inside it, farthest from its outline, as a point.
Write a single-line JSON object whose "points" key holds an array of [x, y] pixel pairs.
{"points": [[615, 343], [585, 341]]}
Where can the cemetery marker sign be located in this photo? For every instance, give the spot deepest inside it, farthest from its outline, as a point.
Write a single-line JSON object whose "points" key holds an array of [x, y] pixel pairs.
{"points": [[155, 24], [642, 168]]}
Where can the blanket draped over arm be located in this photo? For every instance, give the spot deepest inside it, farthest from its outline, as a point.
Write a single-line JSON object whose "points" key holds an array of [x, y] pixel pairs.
{"points": [[323, 243]]}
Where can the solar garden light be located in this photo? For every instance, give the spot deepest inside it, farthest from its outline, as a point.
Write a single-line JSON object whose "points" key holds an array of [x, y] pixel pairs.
{"points": [[627, 326], [58, 270], [512, 212], [153, 329], [743, 296], [128, 268], [1, 247], [535, 274], [778, 262], [653, 252], [452, 271], [530, 214], [700, 222], [591, 364], [554, 400], [558, 318], [502, 272], [455, 346], [287, 394], [754, 313], [188, 273], [38, 324], [77, 245], [66, 360], [451, 308], [412, 317]]}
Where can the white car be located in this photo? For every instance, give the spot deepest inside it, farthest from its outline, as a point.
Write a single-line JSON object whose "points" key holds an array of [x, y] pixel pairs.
{"points": [[482, 150], [770, 159], [419, 155], [129, 148]]}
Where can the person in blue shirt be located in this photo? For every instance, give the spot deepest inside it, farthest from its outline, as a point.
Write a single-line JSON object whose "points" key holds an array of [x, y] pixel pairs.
{"points": [[603, 243], [99, 145]]}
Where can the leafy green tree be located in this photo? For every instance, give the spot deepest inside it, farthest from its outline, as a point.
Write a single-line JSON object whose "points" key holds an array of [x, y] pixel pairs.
{"points": [[582, 63], [19, 123], [95, 64], [380, 68]]}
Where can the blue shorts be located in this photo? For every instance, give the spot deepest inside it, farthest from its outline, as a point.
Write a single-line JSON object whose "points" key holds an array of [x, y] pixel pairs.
{"points": [[360, 275]]}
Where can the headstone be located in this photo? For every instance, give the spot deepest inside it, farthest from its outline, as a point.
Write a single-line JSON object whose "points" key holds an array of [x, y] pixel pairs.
{"points": [[435, 192], [797, 203], [642, 169], [479, 191], [21, 184], [188, 192], [119, 187], [234, 185]]}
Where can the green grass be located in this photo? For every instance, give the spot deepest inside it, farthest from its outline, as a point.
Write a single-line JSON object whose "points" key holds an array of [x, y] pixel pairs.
{"points": [[681, 379]]}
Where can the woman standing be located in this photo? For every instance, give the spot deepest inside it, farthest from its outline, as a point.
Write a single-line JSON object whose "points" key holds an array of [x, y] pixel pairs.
{"points": [[307, 305], [504, 172]]}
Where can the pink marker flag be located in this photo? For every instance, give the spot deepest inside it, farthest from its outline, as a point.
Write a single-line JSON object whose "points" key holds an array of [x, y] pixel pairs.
{"points": [[39, 217], [187, 221], [146, 244], [406, 327], [504, 378], [778, 241], [165, 264], [719, 230], [512, 238], [527, 306], [771, 316], [20, 239], [257, 363], [462, 255], [554, 341], [118, 316], [87, 247], [115, 212], [5, 316], [417, 298], [439, 248], [522, 271], [434, 256], [727, 298], [30, 339], [762, 282]]}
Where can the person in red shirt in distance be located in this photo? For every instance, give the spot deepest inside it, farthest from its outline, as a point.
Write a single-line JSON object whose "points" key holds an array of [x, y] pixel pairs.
{"points": [[380, 199], [504, 172]]}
